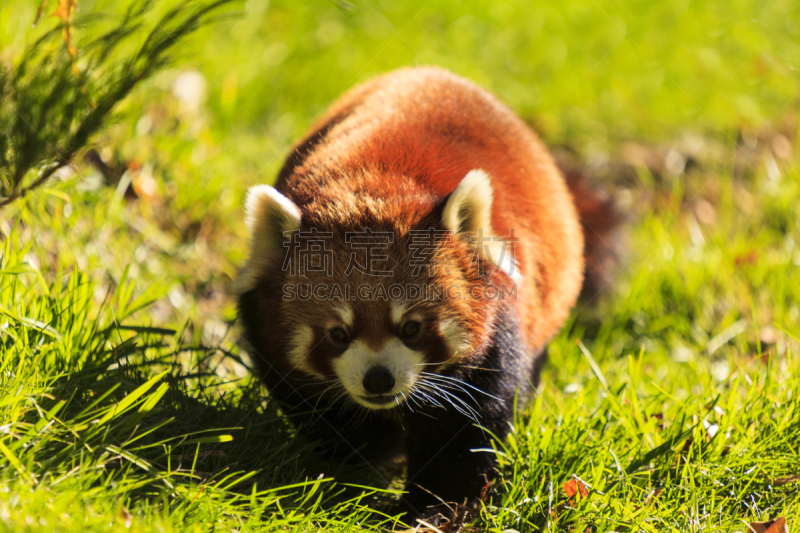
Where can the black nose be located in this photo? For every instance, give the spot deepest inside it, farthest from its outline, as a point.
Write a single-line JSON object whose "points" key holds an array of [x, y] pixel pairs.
{"points": [[379, 380]]}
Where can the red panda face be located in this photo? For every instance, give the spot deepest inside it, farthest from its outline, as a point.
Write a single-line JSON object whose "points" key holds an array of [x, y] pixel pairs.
{"points": [[375, 350], [375, 330], [372, 298]]}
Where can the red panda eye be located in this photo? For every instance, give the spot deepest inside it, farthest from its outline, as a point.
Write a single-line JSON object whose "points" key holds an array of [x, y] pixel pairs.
{"points": [[339, 336], [410, 329]]}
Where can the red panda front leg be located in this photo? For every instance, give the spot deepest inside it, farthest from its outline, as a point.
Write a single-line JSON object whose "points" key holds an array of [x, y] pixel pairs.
{"points": [[450, 457]]}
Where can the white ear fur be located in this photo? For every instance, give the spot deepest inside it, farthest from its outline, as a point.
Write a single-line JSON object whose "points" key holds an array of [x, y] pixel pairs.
{"points": [[469, 208], [269, 216], [468, 212]]}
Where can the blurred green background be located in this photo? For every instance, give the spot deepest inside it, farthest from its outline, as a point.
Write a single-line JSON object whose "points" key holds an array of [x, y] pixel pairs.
{"points": [[688, 110], [590, 73], [591, 77]]}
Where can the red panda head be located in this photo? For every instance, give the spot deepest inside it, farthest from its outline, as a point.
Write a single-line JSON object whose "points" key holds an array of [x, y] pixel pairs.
{"points": [[370, 291]]}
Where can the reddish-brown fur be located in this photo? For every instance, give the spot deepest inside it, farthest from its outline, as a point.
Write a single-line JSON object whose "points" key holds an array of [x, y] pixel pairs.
{"points": [[388, 156], [434, 127]]}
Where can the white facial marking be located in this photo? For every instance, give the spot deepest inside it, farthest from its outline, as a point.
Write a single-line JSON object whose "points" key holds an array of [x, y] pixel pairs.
{"points": [[299, 346], [403, 363], [345, 314], [398, 310], [454, 338]]}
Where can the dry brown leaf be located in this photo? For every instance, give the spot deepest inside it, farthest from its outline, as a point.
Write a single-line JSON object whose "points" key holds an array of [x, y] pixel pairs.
{"points": [[778, 481], [749, 258], [778, 525], [125, 516], [64, 11], [573, 487], [652, 497]]}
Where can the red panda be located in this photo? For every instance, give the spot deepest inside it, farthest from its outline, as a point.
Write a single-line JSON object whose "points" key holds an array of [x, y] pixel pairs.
{"points": [[418, 251]]}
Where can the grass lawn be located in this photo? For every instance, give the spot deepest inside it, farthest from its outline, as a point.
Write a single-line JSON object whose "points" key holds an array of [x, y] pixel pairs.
{"points": [[670, 404]]}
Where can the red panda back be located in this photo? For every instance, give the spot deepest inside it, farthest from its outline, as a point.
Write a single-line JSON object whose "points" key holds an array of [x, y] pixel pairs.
{"points": [[433, 127]]}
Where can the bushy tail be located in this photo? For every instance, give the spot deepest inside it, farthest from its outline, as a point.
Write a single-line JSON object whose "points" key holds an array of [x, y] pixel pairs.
{"points": [[602, 225]]}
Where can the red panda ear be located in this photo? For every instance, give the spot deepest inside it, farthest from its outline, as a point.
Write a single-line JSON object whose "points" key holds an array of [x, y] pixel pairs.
{"points": [[468, 212], [270, 216], [469, 208]]}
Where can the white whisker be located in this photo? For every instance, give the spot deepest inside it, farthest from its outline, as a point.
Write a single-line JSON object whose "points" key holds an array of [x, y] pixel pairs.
{"points": [[426, 398], [442, 378], [458, 404]]}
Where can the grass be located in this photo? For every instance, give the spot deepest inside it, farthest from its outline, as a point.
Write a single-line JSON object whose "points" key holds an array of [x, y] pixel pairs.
{"points": [[127, 405]]}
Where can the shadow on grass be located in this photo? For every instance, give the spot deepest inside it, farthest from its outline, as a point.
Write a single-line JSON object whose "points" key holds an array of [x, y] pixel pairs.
{"points": [[203, 431]]}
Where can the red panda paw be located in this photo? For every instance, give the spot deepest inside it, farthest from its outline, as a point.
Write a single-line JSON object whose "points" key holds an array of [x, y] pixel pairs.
{"points": [[449, 517], [446, 517]]}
